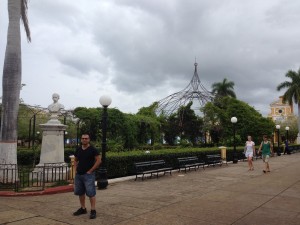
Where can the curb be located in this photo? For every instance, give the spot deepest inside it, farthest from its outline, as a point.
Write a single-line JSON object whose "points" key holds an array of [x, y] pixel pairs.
{"points": [[56, 190], [48, 191]]}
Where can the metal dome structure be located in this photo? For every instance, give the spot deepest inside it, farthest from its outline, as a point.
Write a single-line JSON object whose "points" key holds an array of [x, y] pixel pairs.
{"points": [[194, 91]]}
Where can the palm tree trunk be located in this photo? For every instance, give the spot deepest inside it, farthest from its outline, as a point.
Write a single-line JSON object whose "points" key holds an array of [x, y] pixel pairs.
{"points": [[11, 85]]}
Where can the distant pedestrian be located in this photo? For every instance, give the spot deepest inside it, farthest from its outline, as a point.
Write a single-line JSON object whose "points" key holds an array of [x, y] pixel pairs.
{"points": [[250, 152], [266, 149], [87, 160], [286, 147]]}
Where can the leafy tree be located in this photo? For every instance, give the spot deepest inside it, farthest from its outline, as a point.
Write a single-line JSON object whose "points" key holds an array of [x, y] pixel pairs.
{"points": [[149, 124], [250, 122], [293, 90], [171, 129], [11, 80], [89, 121], [123, 130], [148, 111], [116, 120], [131, 131], [211, 121], [184, 124], [190, 124], [292, 123], [223, 89], [25, 121]]}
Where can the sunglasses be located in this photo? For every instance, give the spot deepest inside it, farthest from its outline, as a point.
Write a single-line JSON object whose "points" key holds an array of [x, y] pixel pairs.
{"points": [[84, 138]]}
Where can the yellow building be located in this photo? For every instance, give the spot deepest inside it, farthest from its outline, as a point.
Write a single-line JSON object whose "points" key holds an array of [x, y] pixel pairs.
{"points": [[280, 110]]}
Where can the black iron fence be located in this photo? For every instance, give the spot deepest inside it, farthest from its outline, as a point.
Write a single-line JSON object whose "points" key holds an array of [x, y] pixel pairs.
{"points": [[23, 178]]}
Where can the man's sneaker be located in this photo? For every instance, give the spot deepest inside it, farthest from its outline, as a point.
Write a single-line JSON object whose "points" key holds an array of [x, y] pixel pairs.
{"points": [[93, 214], [80, 211]]}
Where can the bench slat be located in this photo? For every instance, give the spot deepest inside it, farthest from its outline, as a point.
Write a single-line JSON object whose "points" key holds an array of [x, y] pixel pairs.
{"points": [[151, 167], [214, 159], [189, 162]]}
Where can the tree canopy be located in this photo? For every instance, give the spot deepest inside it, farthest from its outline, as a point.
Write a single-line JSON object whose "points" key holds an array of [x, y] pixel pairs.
{"points": [[250, 122], [293, 90], [224, 88]]}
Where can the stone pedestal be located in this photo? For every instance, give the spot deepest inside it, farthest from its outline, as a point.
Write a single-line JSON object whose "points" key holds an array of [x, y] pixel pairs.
{"points": [[52, 150], [52, 163]]}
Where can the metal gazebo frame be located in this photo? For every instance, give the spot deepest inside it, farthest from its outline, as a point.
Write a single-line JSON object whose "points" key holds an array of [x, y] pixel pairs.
{"points": [[193, 91]]}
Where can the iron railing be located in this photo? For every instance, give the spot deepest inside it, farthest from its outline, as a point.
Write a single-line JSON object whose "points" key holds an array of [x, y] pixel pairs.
{"points": [[23, 178]]}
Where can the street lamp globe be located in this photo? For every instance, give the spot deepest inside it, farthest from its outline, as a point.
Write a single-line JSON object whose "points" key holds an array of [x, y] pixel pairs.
{"points": [[105, 100], [287, 128], [277, 127], [233, 119]]}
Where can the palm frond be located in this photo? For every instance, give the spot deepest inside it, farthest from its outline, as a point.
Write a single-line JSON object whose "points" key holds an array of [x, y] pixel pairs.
{"points": [[24, 8], [293, 87], [285, 84]]}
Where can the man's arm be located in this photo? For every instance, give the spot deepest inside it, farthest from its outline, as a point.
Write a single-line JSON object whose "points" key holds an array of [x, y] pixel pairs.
{"points": [[96, 164]]}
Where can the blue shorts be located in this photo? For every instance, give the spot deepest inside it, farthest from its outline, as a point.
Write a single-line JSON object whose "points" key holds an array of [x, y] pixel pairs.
{"points": [[85, 184]]}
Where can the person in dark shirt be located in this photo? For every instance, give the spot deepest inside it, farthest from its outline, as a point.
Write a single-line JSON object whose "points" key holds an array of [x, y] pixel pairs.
{"points": [[286, 146], [87, 160]]}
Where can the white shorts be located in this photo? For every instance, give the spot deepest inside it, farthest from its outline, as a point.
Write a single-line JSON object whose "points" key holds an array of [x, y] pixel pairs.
{"points": [[249, 154]]}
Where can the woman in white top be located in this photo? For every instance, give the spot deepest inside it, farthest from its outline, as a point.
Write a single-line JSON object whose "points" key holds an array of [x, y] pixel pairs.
{"points": [[250, 151]]}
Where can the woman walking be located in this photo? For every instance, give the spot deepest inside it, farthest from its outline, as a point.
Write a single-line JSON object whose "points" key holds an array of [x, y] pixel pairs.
{"points": [[250, 151], [266, 149]]}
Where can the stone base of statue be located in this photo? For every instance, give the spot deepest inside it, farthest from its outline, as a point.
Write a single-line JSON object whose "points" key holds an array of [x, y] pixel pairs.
{"points": [[52, 151]]}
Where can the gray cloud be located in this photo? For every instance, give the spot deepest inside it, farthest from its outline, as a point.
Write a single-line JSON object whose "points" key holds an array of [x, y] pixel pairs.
{"points": [[145, 50]]}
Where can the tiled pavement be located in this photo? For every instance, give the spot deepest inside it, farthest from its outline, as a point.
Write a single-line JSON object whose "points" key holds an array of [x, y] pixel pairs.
{"points": [[217, 195]]}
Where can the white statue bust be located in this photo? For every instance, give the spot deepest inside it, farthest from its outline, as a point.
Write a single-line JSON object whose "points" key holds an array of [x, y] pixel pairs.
{"points": [[55, 107]]}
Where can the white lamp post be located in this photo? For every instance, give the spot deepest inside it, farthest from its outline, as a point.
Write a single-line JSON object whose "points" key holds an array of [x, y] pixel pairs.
{"points": [[287, 140], [287, 132], [102, 182], [234, 121], [65, 138], [278, 141]]}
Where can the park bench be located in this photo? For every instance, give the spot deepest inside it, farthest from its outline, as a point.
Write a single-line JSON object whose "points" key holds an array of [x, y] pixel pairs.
{"points": [[189, 162], [151, 167], [294, 149], [214, 159]]}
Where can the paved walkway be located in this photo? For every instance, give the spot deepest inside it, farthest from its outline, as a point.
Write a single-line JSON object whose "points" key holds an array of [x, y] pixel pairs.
{"points": [[217, 195]]}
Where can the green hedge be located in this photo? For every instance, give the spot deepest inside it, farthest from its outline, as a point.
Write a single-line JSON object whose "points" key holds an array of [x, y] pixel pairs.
{"points": [[120, 164], [27, 156]]}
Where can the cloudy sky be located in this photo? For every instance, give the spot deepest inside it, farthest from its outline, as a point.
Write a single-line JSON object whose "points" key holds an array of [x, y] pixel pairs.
{"points": [[140, 51]]}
